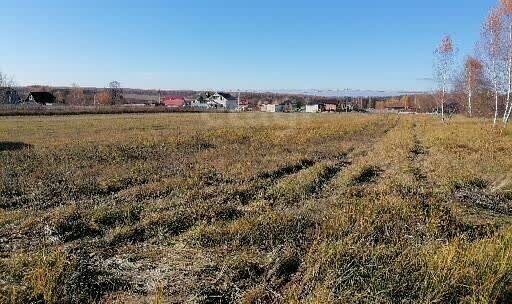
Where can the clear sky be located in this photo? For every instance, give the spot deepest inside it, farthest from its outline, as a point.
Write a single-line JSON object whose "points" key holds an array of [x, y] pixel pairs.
{"points": [[236, 44]]}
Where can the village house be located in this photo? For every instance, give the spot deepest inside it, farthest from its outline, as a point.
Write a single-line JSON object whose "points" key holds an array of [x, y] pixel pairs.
{"points": [[315, 108], [289, 106], [219, 100], [394, 106], [200, 102], [141, 100], [223, 100], [43, 98], [174, 101], [274, 108], [331, 107], [243, 105]]}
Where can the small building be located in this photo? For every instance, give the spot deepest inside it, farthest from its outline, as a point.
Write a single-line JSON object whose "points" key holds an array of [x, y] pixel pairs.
{"points": [[43, 98], [174, 101], [315, 108], [274, 108], [289, 106], [263, 107], [395, 108], [243, 105], [331, 107], [142, 99]]}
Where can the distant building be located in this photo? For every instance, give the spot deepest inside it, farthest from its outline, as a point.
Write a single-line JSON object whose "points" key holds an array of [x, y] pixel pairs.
{"points": [[43, 98], [263, 107], [219, 100], [395, 107], [145, 99], [174, 101], [274, 108], [243, 105], [223, 100], [289, 106], [331, 107], [315, 108], [200, 102]]}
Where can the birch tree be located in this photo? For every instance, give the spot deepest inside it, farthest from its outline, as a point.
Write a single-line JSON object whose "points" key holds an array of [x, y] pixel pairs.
{"points": [[492, 43], [77, 96], [473, 70], [5, 81], [444, 60], [506, 12], [7, 91], [2, 80], [115, 92]]}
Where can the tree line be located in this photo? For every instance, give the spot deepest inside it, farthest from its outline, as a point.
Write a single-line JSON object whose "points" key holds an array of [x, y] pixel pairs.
{"points": [[75, 95], [111, 95]]}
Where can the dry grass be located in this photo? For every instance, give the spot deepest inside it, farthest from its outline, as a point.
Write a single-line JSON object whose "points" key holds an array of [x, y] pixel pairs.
{"points": [[254, 208]]}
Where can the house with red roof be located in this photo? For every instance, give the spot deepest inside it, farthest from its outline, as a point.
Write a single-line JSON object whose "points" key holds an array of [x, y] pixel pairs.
{"points": [[243, 105], [174, 101]]}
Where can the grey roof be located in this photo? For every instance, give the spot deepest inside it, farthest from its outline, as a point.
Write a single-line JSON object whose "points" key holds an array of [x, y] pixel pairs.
{"points": [[227, 96], [42, 97]]}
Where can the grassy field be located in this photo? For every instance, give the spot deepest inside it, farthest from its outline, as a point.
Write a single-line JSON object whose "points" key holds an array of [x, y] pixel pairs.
{"points": [[254, 208]]}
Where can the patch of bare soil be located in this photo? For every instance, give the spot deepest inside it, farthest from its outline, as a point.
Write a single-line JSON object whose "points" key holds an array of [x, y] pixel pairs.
{"points": [[288, 170], [368, 175], [478, 195], [13, 146]]}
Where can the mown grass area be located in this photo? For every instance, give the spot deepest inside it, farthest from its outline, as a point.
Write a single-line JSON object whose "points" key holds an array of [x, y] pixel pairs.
{"points": [[254, 208]]}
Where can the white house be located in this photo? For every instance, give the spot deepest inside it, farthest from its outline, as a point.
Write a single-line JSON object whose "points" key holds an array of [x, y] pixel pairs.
{"points": [[273, 108], [315, 108], [223, 100]]}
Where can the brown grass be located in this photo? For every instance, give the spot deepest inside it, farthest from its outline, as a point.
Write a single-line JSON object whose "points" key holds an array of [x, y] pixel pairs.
{"points": [[254, 208]]}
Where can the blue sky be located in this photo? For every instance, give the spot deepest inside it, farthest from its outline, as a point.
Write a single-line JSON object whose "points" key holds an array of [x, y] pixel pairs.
{"points": [[213, 44]]}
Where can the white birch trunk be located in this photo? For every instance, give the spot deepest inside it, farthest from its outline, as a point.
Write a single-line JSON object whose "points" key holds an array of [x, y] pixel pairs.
{"points": [[442, 102], [470, 93], [495, 82], [507, 117], [470, 109], [496, 105], [509, 89]]}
